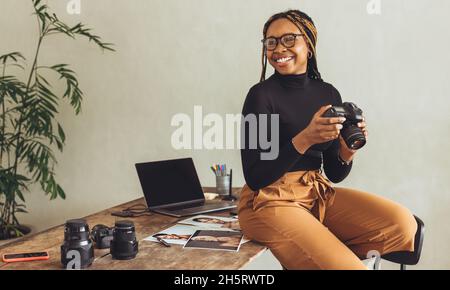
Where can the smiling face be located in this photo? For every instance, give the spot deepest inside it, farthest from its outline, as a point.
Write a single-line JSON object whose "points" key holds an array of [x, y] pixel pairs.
{"points": [[287, 61]]}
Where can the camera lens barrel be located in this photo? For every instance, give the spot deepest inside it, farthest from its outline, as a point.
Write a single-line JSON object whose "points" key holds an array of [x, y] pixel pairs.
{"points": [[77, 247], [124, 245], [354, 137]]}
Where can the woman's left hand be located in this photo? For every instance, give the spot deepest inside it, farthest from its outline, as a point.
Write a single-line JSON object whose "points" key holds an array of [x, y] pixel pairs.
{"points": [[346, 153]]}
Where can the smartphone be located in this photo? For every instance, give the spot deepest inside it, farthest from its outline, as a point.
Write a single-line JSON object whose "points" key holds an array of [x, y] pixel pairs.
{"points": [[25, 257]]}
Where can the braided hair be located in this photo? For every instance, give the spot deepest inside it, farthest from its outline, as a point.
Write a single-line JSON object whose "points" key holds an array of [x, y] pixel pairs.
{"points": [[307, 28]]}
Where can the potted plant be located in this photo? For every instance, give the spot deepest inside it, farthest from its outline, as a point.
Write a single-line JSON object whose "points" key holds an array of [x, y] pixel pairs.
{"points": [[29, 129]]}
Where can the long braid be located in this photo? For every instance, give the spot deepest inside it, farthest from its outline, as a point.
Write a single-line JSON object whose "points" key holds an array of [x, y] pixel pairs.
{"points": [[307, 28], [264, 65]]}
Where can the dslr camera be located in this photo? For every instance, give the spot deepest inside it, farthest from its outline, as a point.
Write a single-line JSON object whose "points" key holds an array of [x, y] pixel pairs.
{"points": [[351, 133]]}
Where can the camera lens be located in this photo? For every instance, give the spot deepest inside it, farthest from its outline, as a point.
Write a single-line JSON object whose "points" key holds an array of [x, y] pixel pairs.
{"points": [[77, 248], [124, 245], [353, 137]]}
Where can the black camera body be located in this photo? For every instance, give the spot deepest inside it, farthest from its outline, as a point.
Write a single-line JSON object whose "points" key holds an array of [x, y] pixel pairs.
{"points": [[353, 135], [77, 249], [102, 236]]}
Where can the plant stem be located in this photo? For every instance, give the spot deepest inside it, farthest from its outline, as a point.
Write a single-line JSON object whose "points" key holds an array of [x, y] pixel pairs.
{"points": [[3, 119], [19, 132], [13, 213], [27, 90], [3, 222], [5, 212]]}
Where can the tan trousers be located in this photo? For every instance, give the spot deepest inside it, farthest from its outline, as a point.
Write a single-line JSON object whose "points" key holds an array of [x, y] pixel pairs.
{"points": [[308, 224]]}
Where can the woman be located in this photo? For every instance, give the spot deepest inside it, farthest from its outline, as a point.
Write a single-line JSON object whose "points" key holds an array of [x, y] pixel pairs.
{"points": [[165, 236], [287, 204]]}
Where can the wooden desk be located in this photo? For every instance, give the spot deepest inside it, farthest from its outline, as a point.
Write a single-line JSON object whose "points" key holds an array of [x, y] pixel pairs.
{"points": [[151, 255]]}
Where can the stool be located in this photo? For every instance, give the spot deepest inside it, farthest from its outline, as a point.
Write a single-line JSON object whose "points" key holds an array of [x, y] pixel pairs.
{"points": [[409, 258]]}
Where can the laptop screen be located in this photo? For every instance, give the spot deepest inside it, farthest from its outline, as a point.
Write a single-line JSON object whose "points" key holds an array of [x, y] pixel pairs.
{"points": [[169, 181]]}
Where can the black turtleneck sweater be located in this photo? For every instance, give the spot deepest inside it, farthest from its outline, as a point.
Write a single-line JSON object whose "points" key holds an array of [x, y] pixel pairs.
{"points": [[295, 98]]}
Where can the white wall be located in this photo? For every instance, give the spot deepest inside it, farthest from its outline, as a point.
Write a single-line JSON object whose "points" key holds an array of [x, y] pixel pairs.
{"points": [[174, 54]]}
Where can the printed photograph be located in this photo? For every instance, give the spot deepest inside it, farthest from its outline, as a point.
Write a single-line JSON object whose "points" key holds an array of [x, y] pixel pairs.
{"points": [[210, 221], [215, 240], [178, 234]]}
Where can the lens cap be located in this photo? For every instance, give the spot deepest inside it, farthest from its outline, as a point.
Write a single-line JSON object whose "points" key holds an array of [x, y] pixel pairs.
{"points": [[124, 224], [77, 225]]}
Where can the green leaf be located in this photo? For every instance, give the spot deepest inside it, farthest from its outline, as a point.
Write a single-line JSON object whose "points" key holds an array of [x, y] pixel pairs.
{"points": [[36, 2], [61, 133], [21, 177], [42, 79], [61, 192], [21, 210], [20, 195], [13, 55], [80, 29]]}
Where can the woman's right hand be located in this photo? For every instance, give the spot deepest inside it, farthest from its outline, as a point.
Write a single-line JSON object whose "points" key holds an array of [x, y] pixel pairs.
{"points": [[319, 130]]}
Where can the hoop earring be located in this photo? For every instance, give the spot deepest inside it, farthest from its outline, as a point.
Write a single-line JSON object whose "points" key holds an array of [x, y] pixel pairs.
{"points": [[310, 54]]}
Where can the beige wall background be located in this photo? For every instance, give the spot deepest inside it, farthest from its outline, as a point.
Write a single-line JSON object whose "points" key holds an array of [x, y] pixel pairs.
{"points": [[174, 54]]}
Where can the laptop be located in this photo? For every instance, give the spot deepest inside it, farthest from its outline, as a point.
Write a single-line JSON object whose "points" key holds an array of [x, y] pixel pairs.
{"points": [[172, 187]]}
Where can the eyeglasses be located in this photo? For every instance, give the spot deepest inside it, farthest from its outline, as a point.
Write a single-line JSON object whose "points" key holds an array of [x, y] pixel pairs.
{"points": [[287, 40]]}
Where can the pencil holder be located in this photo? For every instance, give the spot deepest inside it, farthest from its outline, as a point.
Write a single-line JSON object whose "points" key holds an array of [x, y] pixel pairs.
{"points": [[223, 184]]}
